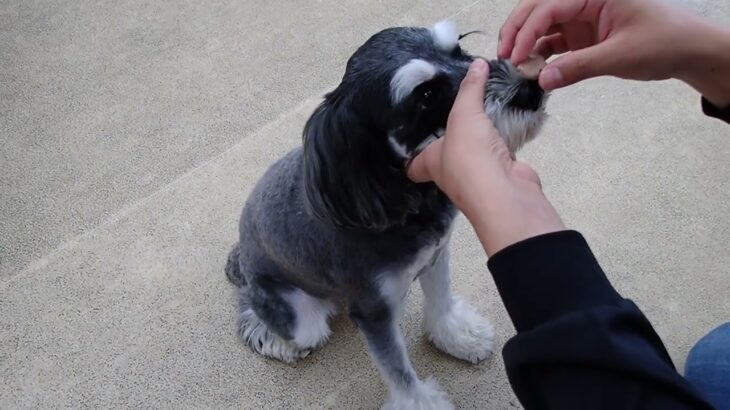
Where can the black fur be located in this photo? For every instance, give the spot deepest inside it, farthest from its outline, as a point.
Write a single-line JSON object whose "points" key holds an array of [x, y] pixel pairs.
{"points": [[352, 177]]}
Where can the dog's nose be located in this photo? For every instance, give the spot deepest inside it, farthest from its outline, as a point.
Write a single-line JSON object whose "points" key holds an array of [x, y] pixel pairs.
{"points": [[528, 96]]}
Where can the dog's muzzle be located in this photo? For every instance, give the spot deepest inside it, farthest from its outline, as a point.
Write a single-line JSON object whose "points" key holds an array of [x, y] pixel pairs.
{"points": [[515, 103], [510, 87]]}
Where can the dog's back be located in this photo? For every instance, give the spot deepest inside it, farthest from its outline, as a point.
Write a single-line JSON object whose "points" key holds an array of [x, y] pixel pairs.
{"points": [[277, 235]]}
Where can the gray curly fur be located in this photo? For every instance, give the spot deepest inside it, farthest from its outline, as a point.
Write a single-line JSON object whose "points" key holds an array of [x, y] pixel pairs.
{"points": [[338, 219]]}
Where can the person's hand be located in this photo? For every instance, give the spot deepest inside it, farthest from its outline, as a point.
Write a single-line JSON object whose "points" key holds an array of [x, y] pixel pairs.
{"points": [[631, 39], [502, 198]]}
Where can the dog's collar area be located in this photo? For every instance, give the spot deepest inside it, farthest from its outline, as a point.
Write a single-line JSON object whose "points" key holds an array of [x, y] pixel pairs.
{"points": [[422, 146]]}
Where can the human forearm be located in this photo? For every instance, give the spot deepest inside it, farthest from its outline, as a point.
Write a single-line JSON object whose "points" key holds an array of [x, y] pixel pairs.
{"points": [[706, 63], [510, 210], [579, 344], [548, 276]]}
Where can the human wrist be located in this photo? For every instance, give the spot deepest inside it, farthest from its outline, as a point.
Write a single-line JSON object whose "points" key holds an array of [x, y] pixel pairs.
{"points": [[510, 213], [706, 63], [473, 200]]}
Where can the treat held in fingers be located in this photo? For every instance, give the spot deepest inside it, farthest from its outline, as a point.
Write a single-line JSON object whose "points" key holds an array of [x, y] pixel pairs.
{"points": [[532, 67]]}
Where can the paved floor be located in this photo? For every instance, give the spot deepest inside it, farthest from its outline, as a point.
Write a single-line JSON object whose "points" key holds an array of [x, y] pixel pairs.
{"points": [[132, 131]]}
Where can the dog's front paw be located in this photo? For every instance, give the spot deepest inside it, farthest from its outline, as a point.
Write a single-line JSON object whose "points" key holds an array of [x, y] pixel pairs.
{"points": [[462, 333], [423, 395]]}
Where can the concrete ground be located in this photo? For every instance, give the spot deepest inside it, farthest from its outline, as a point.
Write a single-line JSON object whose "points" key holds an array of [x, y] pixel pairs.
{"points": [[132, 131]]}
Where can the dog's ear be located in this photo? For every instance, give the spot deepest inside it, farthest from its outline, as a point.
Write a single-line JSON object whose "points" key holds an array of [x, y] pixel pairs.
{"points": [[347, 178]]}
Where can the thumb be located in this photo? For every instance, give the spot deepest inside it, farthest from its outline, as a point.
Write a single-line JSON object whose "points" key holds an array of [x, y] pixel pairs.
{"points": [[580, 65], [470, 98], [425, 164]]}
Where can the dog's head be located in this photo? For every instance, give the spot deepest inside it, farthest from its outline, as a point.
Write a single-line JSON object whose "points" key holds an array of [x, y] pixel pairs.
{"points": [[393, 100]]}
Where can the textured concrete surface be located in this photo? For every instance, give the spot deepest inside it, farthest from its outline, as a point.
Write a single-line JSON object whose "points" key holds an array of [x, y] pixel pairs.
{"points": [[132, 131]]}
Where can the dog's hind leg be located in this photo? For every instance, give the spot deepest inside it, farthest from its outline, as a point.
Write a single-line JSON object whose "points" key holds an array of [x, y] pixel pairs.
{"points": [[282, 322], [311, 329], [378, 322], [453, 326]]}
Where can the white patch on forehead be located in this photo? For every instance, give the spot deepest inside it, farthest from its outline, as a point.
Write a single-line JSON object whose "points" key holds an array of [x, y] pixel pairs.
{"points": [[409, 77], [445, 35]]}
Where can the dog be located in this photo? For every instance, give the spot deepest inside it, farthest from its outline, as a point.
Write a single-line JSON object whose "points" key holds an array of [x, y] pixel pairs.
{"points": [[337, 220]]}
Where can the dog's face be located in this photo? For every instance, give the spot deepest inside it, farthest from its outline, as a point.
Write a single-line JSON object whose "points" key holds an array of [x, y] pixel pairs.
{"points": [[395, 98]]}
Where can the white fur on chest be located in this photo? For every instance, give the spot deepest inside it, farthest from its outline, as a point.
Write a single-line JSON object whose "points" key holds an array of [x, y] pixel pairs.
{"points": [[394, 286]]}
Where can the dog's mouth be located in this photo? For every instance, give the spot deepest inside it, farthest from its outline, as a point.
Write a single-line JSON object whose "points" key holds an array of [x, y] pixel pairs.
{"points": [[513, 101], [422, 146], [428, 140]]}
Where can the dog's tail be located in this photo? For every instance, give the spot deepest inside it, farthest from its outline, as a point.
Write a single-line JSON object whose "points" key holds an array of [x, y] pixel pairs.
{"points": [[233, 267]]}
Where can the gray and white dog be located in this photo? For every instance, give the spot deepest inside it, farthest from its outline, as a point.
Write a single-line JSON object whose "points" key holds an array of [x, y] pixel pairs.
{"points": [[337, 220]]}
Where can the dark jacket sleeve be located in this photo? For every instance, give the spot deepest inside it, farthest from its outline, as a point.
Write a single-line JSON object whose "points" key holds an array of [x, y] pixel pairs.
{"points": [[579, 344], [716, 112]]}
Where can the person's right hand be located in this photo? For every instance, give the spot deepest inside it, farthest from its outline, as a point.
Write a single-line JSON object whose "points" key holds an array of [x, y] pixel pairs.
{"points": [[632, 39]]}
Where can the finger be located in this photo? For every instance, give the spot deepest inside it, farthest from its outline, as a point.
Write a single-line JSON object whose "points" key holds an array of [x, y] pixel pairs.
{"points": [[598, 60], [562, 38], [550, 45], [579, 35], [470, 99], [511, 26], [546, 15], [419, 170]]}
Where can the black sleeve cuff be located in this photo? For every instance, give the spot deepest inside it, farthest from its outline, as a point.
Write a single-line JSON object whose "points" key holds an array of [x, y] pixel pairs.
{"points": [[547, 276], [712, 111]]}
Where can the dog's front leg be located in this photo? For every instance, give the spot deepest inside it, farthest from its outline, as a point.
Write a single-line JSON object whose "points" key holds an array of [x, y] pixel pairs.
{"points": [[378, 321], [453, 325]]}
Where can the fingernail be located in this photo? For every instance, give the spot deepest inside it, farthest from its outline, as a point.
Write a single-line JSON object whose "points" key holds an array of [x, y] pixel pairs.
{"points": [[551, 78], [478, 66]]}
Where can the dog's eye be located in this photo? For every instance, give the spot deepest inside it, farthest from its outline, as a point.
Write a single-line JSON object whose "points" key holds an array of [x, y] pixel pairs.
{"points": [[426, 99]]}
